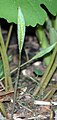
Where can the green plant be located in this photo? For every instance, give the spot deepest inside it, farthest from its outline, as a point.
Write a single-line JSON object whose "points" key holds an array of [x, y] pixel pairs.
{"points": [[5, 70], [47, 40], [21, 35], [48, 73], [5, 64], [43, 42], [53, 65], [33, 11], [9, 57]]}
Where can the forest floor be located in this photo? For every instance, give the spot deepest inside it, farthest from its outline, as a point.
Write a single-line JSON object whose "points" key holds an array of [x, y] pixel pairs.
{"points": [[25, 107]]}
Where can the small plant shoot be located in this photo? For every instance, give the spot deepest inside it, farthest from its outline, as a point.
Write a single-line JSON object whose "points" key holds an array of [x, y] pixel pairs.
{"points": [[21, 35]]}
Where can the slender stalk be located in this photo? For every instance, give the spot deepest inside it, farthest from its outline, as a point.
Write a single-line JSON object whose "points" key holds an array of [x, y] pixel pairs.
{"points": [[43, 42], [6, 81], [51, 92], [48, 77], [46, 97], [8, 37], [2, 109], [5, 62], [46, 73], [17, 78]]}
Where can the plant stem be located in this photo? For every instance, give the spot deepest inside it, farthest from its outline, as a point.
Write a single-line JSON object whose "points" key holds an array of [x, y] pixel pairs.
{"points": [[17, 78], [6, 81], [8, 37], [5, 62], [2, 108], [49, 76], [39, 88], [43, 42], [51, 92]]}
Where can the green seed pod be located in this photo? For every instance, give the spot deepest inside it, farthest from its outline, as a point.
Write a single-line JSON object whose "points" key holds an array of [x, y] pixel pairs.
{"points": [[21, 29]]}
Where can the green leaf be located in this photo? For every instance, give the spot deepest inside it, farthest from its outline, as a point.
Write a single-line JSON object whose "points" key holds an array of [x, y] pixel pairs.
{"points": [[44, 51], [21, 29], [38, 72], [40, 54], [32, 10]]}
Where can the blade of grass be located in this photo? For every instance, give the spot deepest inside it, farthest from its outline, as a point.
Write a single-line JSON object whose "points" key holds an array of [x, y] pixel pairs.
{"points": [[5, 61], [6, 81], [40, 54], [8, 37]]}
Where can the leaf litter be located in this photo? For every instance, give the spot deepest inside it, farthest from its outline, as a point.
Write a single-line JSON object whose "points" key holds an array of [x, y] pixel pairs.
{"points": [[25, 109]]}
